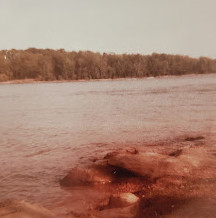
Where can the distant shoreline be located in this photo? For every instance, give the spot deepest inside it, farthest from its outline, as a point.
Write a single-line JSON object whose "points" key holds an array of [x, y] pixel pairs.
{"points": [[47, 65], [32, 81]]}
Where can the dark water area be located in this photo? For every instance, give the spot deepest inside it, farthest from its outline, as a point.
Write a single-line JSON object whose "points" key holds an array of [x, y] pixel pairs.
{"points": [[48, 128]]}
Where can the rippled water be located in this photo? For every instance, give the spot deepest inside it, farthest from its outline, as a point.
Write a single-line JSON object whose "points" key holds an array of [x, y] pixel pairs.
{"points": [[47, 128]]}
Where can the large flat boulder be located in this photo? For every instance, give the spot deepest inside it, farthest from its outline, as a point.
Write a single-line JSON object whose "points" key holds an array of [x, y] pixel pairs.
{"points": [[154, 165], [127, 163]]}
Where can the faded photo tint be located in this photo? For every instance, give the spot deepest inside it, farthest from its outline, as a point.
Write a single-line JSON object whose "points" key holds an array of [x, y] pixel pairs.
{"points": [[107, 109]]}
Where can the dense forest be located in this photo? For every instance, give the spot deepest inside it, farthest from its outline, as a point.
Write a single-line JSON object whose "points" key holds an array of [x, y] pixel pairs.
{"points": [[47, 64]]}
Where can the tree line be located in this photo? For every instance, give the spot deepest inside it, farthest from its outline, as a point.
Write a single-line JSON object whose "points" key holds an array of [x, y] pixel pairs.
{"points": [[48, 65]]}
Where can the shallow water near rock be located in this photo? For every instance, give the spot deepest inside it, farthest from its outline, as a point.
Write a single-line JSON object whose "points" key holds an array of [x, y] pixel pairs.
{"points": [[47, 129]]}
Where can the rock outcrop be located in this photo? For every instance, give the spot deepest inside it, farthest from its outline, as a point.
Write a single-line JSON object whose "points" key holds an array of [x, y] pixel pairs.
{"points": [[133, 163], [149, 182], [152, 181], [155, 165]]}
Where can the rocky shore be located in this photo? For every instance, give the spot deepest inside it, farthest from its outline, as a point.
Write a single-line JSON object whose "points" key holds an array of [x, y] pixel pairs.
{"points": [[175, 180]]}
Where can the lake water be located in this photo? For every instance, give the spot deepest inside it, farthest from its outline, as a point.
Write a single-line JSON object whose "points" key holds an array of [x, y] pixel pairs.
{"points": [[48, 128]]}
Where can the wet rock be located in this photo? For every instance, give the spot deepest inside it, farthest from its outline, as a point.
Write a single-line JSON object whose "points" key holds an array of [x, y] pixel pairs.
{"points": [[156, 165], [21, 209], [164, 181], [123, 164], [122, 200], [142, 164], [118, 201], [123, 205], [160, 206], [79, 177]]}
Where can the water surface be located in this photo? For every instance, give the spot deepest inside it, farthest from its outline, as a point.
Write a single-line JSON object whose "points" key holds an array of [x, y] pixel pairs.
{"points": [[48, 128]]}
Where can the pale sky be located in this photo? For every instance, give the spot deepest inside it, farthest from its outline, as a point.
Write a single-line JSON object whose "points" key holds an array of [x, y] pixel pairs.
{"points": [[121, 26]]}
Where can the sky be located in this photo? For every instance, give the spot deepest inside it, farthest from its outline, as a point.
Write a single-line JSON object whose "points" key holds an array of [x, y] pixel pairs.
{"points": [[184, 27]]}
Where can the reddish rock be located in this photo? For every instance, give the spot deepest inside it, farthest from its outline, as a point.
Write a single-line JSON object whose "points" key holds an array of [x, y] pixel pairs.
{"points": [[122, 200], [79, 177], [154, 165]]}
